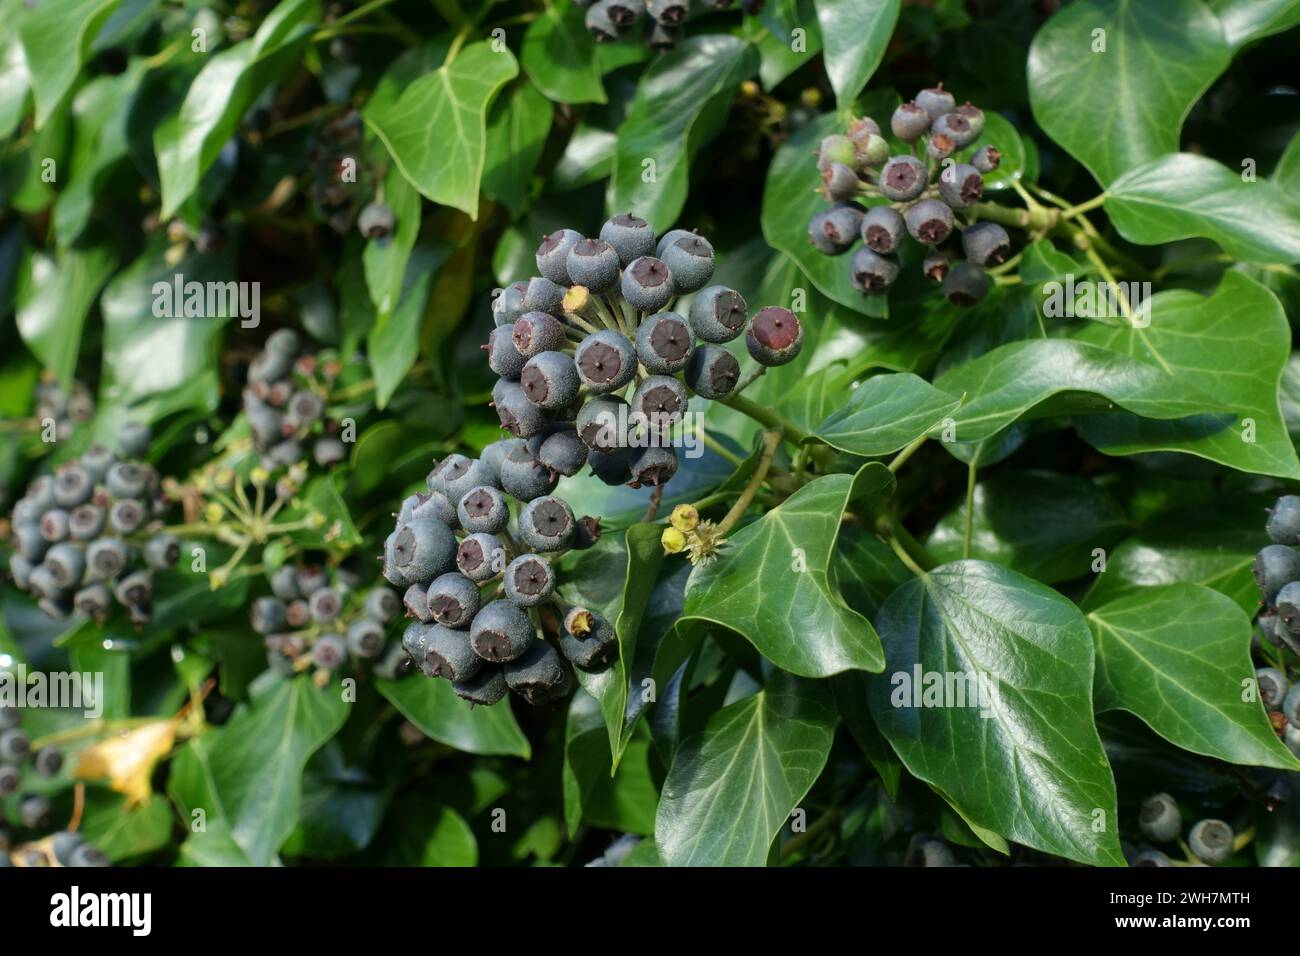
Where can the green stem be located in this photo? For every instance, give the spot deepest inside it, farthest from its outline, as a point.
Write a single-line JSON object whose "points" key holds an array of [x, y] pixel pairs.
{"points": [[771, 442], [1095, 202], [971, 470], [901, 458]]}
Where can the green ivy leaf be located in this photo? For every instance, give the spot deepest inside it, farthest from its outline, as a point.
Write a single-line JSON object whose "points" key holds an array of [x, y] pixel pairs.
{"points": [[57, 37], [434, 707], [99, 113], [1247, 20], [772, 33], [595, 793], [559, 55], [1028, 766], [1017, 380], [436, 131], [782, 560], [854, 36], [1240, 336], [1178, 657], [630, 575], [162, 357], [680, 104], [249, 773], [1181, 196], [516, 133], [121, 832], [52, 309], [1039, 523], [884, 414], [188, 143], [1117, 109], [385, 260], [393, 346], [732, 786]]}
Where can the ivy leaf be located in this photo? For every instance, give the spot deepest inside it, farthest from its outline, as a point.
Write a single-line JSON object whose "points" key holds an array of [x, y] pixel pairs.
{"points": [[1124, 105], [884, 414], [434, 707], [1039, 523], [188, 143], [251, 772], [99, 111], [1024, 761], [791, 199], [1214, 547], [393, 346], [385, 260], [772, 583], [559, 55], [1247, 20], [1014, 380], [1241, 336], [854, 37], [1181, 196], [57, 37], [124, 832], [436, 131], [680, 104], [52, 309], [162, 356], [516, 133], [630, 575], [1178, 657], [732, 786], [595, 792]]}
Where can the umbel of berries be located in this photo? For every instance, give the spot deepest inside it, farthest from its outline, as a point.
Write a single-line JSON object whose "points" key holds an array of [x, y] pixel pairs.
{"points": [[480, 589], [328, 620], [597, 359], [285, 403], [928, 194], [658, 23], [89, 537]]}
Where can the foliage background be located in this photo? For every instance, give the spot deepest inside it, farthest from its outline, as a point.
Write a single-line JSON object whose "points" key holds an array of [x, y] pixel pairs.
{"points": [[1084, 435]]}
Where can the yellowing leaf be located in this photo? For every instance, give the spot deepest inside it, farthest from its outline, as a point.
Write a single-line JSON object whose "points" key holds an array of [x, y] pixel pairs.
{"points": [[126, 762]]}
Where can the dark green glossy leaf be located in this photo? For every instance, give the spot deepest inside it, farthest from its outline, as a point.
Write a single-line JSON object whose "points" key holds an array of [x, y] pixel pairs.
{"points": [[56, 39], [885, 413], [733, 785], [854, 36], [559, 55], [1117, 109], [1247, 20], [771, 582], [1238, 340], [1178, 657], [1181, 196], [52, 309], [516, 133], [434, 707], [680, 104], [1019, 755]]}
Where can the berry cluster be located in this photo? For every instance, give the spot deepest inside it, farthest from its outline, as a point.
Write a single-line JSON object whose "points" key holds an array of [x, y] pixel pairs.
{"points": [[285, 402], [315, 618], [570, 343], [1210, 841], [34, 810], [85, 536], [66, 409], [477, 603], [338, 176], [925, 194], [609, 20], [1277, 572]]}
